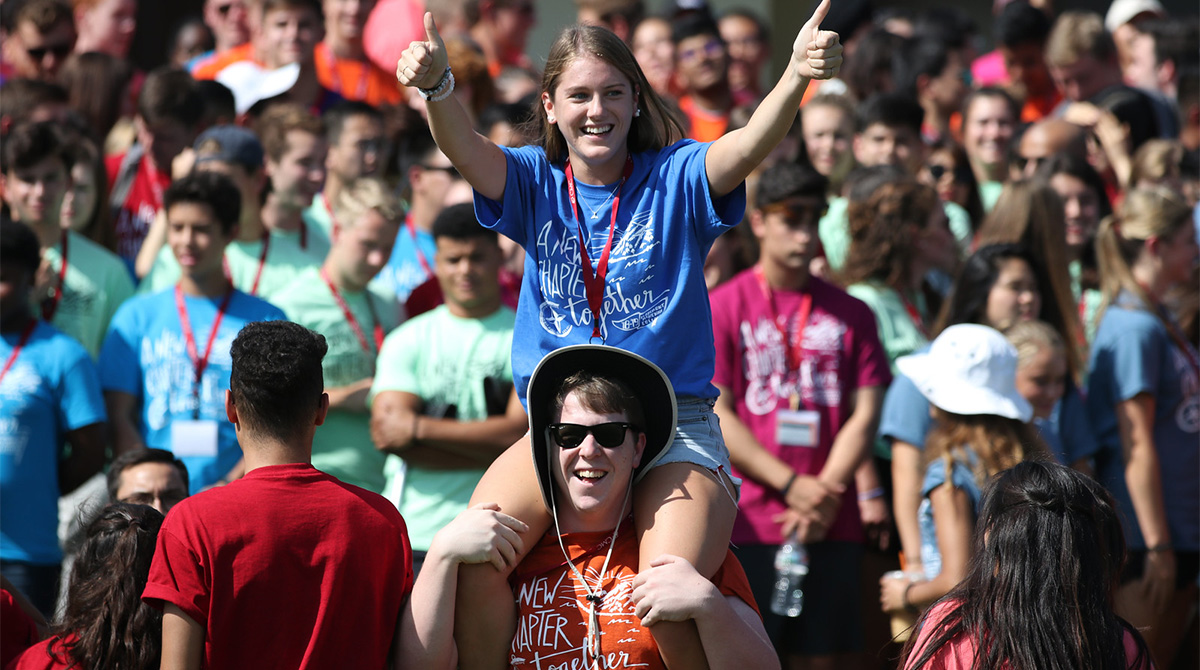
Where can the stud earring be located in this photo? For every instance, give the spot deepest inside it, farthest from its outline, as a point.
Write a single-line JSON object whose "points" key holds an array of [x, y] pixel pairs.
{"points": [[550, 119], [637, 112]]}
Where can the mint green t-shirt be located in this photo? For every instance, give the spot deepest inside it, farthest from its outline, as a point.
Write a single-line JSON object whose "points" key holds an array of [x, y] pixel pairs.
{"points": [[285, 261], [443, 359], [989, 193], [96, 283], [898, 333], [1087, 302], [318, 215], [342, 445]]}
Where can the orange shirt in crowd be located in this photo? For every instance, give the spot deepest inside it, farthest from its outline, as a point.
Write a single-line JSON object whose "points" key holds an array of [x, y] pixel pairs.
{"points": [[356, 79]]}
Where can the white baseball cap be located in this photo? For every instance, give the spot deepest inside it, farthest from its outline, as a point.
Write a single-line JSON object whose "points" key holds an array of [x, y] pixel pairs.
{"points": [[251, 83], [1121, 12], [969, 369]]}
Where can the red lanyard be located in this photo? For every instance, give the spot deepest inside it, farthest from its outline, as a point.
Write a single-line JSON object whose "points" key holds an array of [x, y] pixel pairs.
{"points": [[333, 222], [913, 314], [594, 283], [12, 357], [350, 318], [51, 306], [335, 78], [793, 346], [199, 362], [412, 232]]}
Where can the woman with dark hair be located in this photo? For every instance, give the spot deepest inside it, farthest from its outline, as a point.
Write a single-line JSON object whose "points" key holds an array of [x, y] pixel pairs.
{"points": [[84, 209], [1085, 204], [996, 287], [106, 625], [897, 235], [98, 88], [948, 170], [611, 261], [1039, 587]]}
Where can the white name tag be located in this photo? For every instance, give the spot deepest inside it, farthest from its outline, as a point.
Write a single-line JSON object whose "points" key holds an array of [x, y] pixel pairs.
{"points": [[797, 428], [194, 438]]}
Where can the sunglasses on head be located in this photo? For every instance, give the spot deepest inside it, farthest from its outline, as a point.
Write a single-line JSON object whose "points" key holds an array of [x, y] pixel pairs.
{"points": [[571, 435]]}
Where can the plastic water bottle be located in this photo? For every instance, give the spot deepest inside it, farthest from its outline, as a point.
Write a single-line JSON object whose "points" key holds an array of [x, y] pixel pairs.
{"points": [[791, 565]]}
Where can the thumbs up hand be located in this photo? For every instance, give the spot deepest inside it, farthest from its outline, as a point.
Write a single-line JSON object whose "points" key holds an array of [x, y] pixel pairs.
{"points": [[816, 53], [423, 63]]}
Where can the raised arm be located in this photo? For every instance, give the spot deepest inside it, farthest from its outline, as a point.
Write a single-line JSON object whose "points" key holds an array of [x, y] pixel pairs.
{"points": [[816, 54], [477, 158]]}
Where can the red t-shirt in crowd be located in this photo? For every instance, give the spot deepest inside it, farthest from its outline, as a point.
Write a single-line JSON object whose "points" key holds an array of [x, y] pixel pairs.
{"points": [[17, 631], [133, 218], [49, 654], [958, 653], [553, 609], [287, 567], [839, 354]]}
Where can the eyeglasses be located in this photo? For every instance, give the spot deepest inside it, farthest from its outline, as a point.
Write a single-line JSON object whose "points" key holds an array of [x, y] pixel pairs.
{"points": [[713, 48], [59, 50], [449, 169], [571, 435]]}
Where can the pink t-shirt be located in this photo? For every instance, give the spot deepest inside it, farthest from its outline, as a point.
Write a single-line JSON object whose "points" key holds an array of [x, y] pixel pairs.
{"points": [[959, 652], [840, 353], [287, 567]]}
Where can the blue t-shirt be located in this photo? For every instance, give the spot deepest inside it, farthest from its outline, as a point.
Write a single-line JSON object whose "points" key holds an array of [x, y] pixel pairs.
{"points": [[51, 389], [655, 299], [1133, 353], [961, 477], [145, 355], [404, 270], [1067, 432]]}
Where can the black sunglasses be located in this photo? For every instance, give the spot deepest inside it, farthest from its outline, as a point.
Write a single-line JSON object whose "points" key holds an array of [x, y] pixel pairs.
{"points": [[59, 50], [450, 170], [571, 435], [960, 173]]}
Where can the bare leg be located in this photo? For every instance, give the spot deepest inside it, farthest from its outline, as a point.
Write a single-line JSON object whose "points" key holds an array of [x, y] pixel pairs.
{"points": [[484, 614], [681, 509]]}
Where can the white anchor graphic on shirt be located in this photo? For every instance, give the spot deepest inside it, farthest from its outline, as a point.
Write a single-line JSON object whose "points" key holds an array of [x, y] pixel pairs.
{"points": [[626, 306]]}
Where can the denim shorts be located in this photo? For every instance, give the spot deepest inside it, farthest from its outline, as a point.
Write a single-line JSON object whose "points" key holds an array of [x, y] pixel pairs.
{"points": [[698, 438]]}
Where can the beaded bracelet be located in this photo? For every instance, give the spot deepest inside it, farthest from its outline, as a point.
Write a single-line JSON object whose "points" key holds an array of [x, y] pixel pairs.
{"points": [[441, 90]]}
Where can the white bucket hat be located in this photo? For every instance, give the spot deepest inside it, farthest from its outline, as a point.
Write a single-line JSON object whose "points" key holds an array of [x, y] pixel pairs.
{"points": [[970, 369]]}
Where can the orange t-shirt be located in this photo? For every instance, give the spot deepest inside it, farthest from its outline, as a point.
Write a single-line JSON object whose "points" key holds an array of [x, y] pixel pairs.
{"points": [[210, 67], [355, 79], [552, 621], [706, 126]]}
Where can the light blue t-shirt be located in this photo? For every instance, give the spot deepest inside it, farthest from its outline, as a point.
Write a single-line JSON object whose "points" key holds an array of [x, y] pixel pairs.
{"points": [[1133, 353], [655, 299], [51, 389], [145, 355], [404, 271], [962, 478]]}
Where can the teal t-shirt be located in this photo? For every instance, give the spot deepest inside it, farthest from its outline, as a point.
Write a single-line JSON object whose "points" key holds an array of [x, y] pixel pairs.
{"points": [[96, 283], [285, 261], [898, 333], [443, 359], [342, 446], [989, 193], [1087, 302]]}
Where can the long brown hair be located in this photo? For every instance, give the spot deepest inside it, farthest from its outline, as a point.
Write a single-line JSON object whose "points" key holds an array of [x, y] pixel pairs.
{"points": [[113, 628], [1145, 213], [1031, 214], [654, 129], [883, 230], [998, 442]]}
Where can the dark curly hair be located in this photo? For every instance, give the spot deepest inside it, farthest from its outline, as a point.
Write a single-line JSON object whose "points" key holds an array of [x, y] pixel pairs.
{"points": [[1048, 553], [212, 189], [276, 380], [106, 624], [883, 229]]}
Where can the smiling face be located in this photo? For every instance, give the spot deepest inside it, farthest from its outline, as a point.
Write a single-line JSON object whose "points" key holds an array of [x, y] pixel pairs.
{"points": [[300, 172], [1014, 297], [987, 130], [195, 237], [1081, 207], [828, 131], [593, 107], [35, 193], [594, 479], [1042, 380]]}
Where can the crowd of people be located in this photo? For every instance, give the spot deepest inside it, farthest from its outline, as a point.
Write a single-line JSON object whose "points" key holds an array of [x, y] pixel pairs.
{"points": [[356, 335]]}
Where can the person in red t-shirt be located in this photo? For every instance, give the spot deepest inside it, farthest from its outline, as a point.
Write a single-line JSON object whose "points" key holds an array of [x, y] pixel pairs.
{"points": [[599, 416], [326, 563], [169, 111]]}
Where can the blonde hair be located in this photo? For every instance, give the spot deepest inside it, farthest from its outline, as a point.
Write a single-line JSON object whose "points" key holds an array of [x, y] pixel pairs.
{"points": [[365, 195], [654, 129], [1077, 35], [1030, 213], [1156, 161], [1145, 213], [998, 442], [1030, 338]]}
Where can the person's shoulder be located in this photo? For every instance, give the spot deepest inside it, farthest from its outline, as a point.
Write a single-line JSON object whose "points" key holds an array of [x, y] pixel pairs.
{"points": [[731, 294], [48, 654], [254, 308], [65, 349], [307, 288], [98, 259]]}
